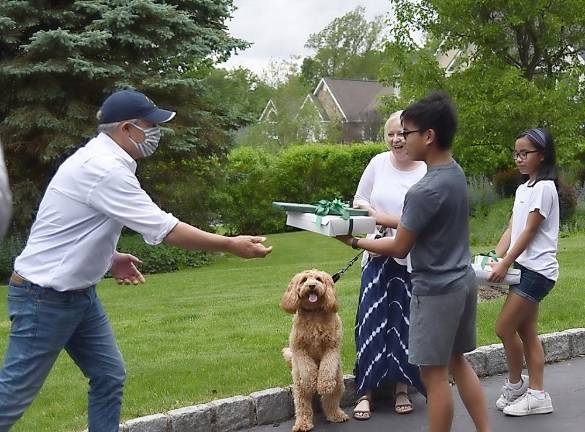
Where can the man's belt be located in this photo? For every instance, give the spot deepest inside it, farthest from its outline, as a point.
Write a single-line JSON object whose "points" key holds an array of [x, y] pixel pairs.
{"points": [[17, 279]]}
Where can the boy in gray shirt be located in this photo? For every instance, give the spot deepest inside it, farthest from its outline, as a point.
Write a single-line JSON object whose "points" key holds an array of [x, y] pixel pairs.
{"points": [[434, 228]]}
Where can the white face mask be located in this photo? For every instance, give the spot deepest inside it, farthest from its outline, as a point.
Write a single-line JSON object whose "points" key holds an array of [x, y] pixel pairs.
{"points": [[151, 140]]}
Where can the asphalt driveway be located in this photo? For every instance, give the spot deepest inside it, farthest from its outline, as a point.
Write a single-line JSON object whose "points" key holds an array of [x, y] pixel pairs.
{"points": [[564, 381]]}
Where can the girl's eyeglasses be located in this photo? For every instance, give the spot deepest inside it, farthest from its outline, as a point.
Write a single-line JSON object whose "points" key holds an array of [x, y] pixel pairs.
{"points": [[522, 154]]}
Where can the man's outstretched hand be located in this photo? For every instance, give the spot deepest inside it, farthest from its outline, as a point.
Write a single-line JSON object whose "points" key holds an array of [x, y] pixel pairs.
{"points": [[124, 269], [249, 247]]}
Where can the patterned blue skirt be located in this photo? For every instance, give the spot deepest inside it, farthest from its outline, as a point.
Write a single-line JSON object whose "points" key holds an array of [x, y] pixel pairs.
{"points": [[381, 329]]}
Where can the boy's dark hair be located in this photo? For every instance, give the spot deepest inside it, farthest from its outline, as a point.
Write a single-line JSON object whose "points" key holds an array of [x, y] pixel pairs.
{"points": [[542, 141], [436, 111]]}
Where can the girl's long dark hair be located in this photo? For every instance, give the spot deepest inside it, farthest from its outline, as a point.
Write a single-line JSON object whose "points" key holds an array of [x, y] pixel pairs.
{"points": [[543, 141]]}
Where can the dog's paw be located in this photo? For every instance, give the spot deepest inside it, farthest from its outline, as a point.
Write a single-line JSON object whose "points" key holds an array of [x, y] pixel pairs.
{"points": [[338, 417], [326, 386], [302, 425]]}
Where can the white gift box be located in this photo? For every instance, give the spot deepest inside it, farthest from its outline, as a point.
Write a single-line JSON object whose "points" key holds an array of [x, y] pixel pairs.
{"points": [[331, 225], [482, 268]]}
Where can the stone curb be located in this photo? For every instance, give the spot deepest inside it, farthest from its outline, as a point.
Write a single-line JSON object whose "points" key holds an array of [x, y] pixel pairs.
{"points": [[276, 404]]}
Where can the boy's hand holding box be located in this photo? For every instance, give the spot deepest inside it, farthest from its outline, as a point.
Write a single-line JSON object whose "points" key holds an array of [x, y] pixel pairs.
{"points": [[330, 218], [482, 267]]}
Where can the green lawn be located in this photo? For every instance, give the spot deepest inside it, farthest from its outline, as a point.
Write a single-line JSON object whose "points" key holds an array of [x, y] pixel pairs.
{"points": [[217, 331]]}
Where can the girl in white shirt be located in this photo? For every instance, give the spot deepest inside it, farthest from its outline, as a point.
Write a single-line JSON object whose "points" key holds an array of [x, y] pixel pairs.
{"points": [[531, 242]]}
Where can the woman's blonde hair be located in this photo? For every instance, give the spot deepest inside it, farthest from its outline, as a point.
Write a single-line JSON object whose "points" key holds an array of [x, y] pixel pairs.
{"points": [[392, 117]]}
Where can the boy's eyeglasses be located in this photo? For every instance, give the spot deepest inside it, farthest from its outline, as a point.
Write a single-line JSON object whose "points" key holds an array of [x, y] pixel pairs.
{"points": [[522, 154], [404, 134]]}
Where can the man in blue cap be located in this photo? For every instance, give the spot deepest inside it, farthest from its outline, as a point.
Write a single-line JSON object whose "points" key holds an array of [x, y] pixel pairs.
{"points": [[52, 300]]}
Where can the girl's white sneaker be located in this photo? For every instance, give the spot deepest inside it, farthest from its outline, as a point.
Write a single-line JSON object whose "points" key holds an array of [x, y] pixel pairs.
{"points": [[509, 394], [529, 404]]}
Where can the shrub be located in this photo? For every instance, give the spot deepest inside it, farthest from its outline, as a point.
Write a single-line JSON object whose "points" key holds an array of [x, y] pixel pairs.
{"points": [[572, 175], [161, 258], [10, 248], [182, 187], [486, 228], [577, 222], [580, 195], [244, 201], [507, 181], [481, 194], [254, 178], [308, 173], [567, 201]]}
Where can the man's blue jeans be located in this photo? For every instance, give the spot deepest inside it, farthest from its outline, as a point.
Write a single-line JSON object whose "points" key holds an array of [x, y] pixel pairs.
{"points": [[43, 322]]}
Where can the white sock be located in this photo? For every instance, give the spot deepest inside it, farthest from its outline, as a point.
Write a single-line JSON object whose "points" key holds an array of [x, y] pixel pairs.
{"points": [[515, 386], [538, 394]]}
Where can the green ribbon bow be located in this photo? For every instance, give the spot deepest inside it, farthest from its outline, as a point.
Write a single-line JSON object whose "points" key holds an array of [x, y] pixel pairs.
{"points": [[335, 207], [487, 256]]}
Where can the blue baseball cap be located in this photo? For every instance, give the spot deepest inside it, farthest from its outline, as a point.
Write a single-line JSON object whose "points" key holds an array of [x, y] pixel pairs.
{"points": [[130, 104]]}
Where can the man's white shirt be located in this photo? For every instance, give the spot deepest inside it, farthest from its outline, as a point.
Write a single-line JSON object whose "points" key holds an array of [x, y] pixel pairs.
{"points": [[5, 197], [93, 195]]}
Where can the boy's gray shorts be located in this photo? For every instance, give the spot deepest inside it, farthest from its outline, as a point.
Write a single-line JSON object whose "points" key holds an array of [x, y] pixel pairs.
{"points": [[441, 325]]}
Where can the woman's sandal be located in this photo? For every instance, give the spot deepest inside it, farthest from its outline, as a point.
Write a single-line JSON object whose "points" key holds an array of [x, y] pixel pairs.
{"points": [[405, 406], [362, 414]]}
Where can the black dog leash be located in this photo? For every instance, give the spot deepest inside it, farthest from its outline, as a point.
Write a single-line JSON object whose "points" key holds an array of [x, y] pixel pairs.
{"points": [[340, 273]]}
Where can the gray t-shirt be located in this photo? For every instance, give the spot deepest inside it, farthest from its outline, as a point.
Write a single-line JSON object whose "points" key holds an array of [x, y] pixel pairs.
{"points": [[436, 209]]}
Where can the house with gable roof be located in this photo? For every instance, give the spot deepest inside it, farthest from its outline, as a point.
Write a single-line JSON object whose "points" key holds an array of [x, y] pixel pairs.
{"points": [[353, 104], [269, 113], [350, 104]]}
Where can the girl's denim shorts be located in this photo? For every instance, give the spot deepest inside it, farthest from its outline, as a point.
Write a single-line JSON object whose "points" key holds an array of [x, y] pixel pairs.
{"points": [[533, 286]]}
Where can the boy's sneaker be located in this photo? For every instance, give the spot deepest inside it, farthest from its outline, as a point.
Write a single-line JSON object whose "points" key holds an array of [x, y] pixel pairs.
{"points": [[529, 404], [509, 394]]}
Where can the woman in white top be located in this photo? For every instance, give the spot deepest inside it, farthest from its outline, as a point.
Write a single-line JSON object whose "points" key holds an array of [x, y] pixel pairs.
{"points": [[381, 331], [530, 241]]}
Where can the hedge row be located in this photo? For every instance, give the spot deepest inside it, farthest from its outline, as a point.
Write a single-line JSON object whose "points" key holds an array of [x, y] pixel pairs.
{"points": [[161, 258], [255, 178]]}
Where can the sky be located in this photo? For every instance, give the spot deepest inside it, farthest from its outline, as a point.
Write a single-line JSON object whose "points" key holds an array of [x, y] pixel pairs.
{"points": [[278, 29]]}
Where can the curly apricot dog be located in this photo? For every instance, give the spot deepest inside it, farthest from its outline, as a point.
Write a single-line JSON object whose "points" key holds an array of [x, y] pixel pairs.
{"points": [[314, 347]]}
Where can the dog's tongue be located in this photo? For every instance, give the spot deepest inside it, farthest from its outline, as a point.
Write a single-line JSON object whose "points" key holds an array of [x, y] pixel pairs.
{"points": [[313, 297]]}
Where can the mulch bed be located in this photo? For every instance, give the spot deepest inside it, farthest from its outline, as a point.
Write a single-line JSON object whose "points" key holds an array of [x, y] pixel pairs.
{"points": [[487, 292]]}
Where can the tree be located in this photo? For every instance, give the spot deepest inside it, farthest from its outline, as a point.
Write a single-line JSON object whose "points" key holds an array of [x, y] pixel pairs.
{"points": [[288, 97], [240, 92], [280, 71], [349, 47], [58, 62], [518, 68], [541, 38]]}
